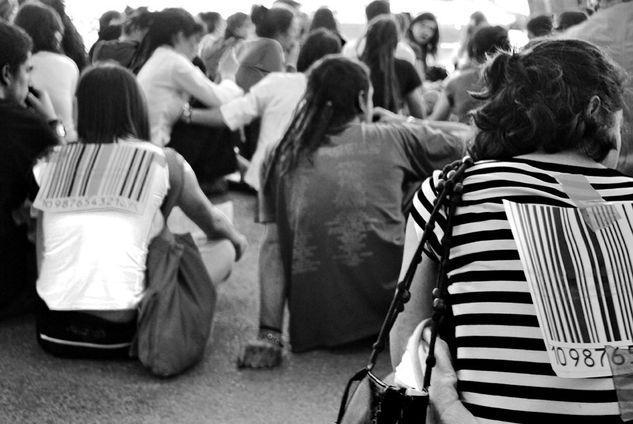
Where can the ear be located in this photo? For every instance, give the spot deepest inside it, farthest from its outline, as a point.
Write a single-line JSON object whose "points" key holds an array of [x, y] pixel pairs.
{"points": [[593, 107], [362, 102], [6, 76], [176, 38]]}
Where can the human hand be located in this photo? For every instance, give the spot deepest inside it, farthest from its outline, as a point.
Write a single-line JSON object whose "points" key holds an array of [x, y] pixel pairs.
{"points": [[240, 243], [383, 115], [444, 401], [41, 103]]}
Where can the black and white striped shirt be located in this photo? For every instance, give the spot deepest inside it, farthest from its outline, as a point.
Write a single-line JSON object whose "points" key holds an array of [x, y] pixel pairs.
{"points": [[502, 365]]}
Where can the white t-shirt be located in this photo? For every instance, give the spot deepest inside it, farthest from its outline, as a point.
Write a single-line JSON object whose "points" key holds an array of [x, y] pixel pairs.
{"points": [[57, 75], [169, 80], [274, 99], [95, 260], [353, 50]]}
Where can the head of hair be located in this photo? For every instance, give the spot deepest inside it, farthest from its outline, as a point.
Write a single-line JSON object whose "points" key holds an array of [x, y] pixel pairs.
{"points": [[431, 46], [381, 40], [319, 43], [15, 45], [486, 41], [211, 20], [331, 100], [478, 18], [107, 17], [269, 23], [403, 20], [137, 19], [323, 18], [376, 8], [539, 98], [41, 22], [540, 26], [233, 23], [72, 43], [110, 105], [570, 18], [164, 26]]}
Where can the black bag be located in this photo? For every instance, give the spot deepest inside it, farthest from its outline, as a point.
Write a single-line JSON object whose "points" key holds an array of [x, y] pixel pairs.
{"points": [[377, 401], [175, 315]]}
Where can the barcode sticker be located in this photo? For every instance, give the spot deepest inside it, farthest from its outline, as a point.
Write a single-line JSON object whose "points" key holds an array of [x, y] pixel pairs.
{"points": [[580, 282]]}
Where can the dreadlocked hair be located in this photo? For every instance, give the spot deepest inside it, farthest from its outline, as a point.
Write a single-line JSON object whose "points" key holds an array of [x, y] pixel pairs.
{"points": [[330, 102], [381, 40]]}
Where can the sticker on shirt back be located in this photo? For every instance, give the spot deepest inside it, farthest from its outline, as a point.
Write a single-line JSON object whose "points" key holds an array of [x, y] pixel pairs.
{"points": [[580, 278]]}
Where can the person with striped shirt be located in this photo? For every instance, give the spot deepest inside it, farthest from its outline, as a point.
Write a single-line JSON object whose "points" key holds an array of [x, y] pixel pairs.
{"points": [[552, 109]]}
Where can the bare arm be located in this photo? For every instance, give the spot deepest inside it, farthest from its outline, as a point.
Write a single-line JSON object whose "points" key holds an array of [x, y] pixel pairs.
{"points": [[416, 104], [442, 109], [444, 397], [210, 219], [419, 307]]}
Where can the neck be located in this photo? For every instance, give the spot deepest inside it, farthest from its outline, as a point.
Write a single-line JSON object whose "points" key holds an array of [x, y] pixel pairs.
{"points": [[567, 157]]}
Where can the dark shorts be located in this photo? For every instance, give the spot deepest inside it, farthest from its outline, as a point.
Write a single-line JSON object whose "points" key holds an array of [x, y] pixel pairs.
{"points": [[73, 334]]}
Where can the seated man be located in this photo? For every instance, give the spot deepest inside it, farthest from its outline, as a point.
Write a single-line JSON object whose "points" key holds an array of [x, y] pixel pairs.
{"points": [[332, 200], [27, 129]]}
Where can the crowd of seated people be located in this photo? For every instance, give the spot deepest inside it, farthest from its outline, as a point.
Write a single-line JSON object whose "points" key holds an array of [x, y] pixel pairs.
{"points": [[332, 137]]}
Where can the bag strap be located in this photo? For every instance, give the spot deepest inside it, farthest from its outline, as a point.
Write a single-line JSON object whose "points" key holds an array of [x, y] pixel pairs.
{"points": [[450, 188], [175, 166]]}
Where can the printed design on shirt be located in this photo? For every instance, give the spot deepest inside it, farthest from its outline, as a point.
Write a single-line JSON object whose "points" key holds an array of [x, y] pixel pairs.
{"points": [[580, 277], [350, 227], [97, 176], [304, 251]]}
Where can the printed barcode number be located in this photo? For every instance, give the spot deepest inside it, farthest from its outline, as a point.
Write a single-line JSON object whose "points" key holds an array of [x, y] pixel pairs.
{"points": [[571, 357]]}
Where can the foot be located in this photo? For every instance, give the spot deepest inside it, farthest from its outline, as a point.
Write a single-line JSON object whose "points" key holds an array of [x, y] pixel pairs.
{"points": [[265, 352]]}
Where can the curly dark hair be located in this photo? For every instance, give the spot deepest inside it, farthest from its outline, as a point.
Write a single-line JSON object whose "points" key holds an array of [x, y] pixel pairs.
{"points": [[539, 98]]}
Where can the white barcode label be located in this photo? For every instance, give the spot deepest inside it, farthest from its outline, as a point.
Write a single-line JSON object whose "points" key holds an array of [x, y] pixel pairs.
{"points": [[581, 280]]}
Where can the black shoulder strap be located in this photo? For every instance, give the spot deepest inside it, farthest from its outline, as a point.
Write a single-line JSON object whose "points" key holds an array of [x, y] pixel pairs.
{"points": [[176, 169]]}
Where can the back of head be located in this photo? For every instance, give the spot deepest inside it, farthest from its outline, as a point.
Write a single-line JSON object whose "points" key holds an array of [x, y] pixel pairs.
{"points": [[234, 23], [336, 85], [269, 23], [540, 26], [43, 24], [539, 99], [318, 44], [569, 19], [478, 18], [110, 105], [323, 18], [381, 40], [376, 8], [137, 19], [15, 45], [106, 19], [211, 20], [486, 41], [72, 43]]}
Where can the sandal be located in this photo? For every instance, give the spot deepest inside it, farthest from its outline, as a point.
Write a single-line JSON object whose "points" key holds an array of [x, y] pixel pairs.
{"points": [[264, 352]]}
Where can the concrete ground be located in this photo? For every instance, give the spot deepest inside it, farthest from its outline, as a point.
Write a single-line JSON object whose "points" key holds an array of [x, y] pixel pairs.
{"points": [[38, 388]]}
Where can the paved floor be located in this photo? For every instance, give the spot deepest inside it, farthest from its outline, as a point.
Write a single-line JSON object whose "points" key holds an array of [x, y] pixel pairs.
{"points": [[38, 388]]}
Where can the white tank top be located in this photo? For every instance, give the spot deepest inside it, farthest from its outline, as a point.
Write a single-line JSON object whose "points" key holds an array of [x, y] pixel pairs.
{"points": [[95, 259]]}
